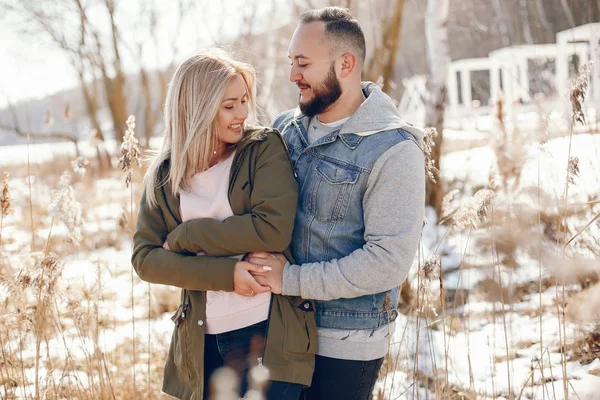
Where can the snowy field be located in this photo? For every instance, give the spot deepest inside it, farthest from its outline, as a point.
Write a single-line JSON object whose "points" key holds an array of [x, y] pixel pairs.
{"points": [[476, 358], [484, 342]]}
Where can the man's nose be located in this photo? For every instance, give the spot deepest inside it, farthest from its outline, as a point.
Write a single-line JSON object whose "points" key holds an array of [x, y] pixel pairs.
{"points": [[295, 75]]}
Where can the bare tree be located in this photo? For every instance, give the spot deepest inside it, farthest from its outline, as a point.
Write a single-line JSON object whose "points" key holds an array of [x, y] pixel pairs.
{"points": [[68, 27], [546, 26], [567, 10], [153, 94], [504, 32], [382, 64], [272, 46], [524, 13], [438, 61], [48, 20], [113, 85], [95, 48]]}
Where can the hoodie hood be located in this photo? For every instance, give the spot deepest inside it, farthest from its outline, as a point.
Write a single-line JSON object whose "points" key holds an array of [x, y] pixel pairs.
{"points": [[377, 113]]}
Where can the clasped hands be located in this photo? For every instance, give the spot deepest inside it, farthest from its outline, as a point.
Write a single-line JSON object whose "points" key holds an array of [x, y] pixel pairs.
{"points": [[261, 272]]}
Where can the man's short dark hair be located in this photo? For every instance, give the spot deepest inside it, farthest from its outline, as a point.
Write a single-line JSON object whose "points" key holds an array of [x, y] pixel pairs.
{"points": [[341, 29]]}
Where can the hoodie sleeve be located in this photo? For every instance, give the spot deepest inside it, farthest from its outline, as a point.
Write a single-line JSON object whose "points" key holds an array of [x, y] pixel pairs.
{"points": [[394, 209]]}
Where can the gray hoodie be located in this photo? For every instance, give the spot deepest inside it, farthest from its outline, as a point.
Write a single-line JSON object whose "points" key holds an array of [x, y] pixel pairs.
{"points": [[393, 207]]}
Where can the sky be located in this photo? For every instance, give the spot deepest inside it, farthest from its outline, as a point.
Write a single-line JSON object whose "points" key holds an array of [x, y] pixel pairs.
{"points": [[31, 68]]}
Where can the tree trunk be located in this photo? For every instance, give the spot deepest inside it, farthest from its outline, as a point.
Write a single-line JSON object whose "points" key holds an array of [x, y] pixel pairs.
{"points": [[115, 86], [265, 97], [568, 13], [146, 127], [392, 42], [524, 12], [382, 64], [546, 25], [504, 33], [91, 106], [117, 106], [438, 60]]}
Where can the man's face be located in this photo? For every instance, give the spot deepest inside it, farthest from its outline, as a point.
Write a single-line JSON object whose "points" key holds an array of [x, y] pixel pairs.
{"points": [[312, 70]]}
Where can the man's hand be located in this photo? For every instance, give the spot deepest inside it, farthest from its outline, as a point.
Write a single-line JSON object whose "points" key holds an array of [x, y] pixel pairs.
{"points": [[244, 284], [166, 246], [272, 276]]}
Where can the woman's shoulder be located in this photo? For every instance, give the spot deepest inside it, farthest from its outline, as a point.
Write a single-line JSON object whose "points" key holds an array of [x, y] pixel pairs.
{"points": [[257, 132], [269, 137], [161, 182]]}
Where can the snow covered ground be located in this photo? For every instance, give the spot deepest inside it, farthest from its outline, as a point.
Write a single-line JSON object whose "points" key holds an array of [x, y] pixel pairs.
{"points": [[475, 342], [472, 344]]}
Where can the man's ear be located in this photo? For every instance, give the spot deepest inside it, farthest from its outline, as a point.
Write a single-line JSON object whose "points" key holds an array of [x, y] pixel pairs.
{"points": [[348, 64]]}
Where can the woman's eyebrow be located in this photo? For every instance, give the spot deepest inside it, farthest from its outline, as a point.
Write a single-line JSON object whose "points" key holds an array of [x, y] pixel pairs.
{"points": [[235, 98]]}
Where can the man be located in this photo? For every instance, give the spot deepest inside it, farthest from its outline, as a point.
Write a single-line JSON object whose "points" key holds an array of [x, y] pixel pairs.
{"points": [[360, 171]]}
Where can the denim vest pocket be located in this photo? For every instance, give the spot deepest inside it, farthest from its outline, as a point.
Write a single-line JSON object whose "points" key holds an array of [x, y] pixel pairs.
{"points": [[332, 190]]}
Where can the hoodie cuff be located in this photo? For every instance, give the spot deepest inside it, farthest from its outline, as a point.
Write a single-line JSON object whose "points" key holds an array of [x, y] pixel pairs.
{"points": [[290, 285]]}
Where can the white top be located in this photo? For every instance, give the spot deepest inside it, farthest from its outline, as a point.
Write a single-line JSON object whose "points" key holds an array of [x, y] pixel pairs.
{"points": [[207, 198]]}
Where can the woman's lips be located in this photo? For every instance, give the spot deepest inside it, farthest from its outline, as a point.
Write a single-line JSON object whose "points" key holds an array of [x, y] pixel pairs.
{"points": [[237, 128]]}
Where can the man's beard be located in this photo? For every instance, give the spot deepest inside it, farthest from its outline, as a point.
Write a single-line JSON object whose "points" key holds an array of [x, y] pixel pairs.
{"points": [[325, 95]]}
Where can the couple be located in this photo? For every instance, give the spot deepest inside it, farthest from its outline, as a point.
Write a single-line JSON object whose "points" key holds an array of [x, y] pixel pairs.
{"points": [[298, 234]]}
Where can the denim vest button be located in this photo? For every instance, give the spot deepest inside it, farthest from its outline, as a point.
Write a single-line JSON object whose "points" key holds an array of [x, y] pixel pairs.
{"points": [[200, 322]]}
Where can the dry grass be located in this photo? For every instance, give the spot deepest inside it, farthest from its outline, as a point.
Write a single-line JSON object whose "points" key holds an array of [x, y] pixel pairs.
{"points": [[500, 224], [507, 222], [40, 310]]}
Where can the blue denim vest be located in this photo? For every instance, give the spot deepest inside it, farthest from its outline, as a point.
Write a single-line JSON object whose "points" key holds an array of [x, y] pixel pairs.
{"points": [[332, 175]]}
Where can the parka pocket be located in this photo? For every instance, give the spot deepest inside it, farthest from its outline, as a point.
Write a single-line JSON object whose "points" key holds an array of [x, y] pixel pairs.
{"points": [[181, 341], [300, 328]]}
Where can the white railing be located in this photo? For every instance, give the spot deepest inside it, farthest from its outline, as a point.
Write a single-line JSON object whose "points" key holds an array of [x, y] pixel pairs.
{"points": [[509, 77]]}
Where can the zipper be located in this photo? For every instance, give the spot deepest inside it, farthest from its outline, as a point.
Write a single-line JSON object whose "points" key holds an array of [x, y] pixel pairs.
{"points": [[236, 165], [261, 359]]}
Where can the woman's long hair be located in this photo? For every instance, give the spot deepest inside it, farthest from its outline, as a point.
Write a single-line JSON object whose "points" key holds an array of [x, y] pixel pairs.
{"points": [[191, 133]]}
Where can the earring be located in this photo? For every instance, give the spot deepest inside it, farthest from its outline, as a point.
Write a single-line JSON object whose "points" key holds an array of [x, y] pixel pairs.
{"points": [[215, 152]]}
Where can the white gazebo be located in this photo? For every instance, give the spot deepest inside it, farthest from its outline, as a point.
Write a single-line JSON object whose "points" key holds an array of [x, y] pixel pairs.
{"points": [[510, 77], [511, 65], [584, 41], [464, 67]]}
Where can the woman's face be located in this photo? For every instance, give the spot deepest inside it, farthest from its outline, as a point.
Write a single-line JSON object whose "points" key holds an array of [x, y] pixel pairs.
{"points": [[233, 111]]}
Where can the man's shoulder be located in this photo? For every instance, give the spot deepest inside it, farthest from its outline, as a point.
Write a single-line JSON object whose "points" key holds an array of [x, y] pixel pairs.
{"points": [[283, 118], [391, 137]]}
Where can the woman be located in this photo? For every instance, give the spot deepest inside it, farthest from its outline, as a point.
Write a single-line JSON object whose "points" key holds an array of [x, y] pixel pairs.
{"points": [[219, 189]]}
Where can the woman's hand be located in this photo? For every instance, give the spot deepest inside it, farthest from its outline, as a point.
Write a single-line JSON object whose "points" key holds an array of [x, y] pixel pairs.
{"points": [[271, 274], [166, 246], [244, 283]]}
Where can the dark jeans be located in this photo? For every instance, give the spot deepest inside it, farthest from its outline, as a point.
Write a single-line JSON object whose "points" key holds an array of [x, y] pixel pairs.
{"points": [[239, 350], [336, 379]]}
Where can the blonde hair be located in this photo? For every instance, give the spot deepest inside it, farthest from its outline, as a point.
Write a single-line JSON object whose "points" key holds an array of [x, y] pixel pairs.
{"points": [[190, 112]]}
